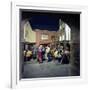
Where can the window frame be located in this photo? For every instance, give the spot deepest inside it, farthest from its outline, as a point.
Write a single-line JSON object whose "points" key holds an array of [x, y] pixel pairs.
{"points": [[15, 24]]}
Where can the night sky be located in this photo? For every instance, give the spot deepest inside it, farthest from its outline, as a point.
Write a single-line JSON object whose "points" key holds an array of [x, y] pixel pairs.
{"points": [[44, 22], [48, 20]]}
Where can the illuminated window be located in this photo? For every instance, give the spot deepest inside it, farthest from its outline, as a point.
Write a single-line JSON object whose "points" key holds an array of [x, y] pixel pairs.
{"points": [[67, 32], [44, 36], [63, 37], [60, 38]]}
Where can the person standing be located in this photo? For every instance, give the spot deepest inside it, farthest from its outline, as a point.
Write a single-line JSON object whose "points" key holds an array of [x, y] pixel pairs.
{"points": [[59, 57], [43, 53], [28, 55], [47, 52], [34, 52], [40, 54], [56, 54]]}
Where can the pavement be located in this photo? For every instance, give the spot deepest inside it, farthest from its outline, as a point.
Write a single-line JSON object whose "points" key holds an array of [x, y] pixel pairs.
{"points": [[46, 69]]}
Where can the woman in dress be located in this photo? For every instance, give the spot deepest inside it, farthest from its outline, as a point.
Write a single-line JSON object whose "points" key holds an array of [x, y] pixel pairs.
{"points": [[40, 54]]}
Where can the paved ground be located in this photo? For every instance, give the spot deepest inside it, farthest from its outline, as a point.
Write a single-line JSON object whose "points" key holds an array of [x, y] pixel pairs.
{"points": [[46, 69]]}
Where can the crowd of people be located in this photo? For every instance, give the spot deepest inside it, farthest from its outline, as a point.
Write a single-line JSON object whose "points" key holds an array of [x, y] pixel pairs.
{"points": [[59, 53]]}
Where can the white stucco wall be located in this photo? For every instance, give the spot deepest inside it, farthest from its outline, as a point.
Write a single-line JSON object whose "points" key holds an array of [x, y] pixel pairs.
{"points": [[29, 34]]}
